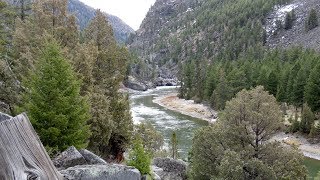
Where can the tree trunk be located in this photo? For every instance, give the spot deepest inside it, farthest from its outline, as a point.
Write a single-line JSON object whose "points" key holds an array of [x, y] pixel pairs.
{"points": [[22, 155]]}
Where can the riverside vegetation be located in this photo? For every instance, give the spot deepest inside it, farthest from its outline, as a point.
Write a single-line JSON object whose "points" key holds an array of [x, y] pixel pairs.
{"points": [[68, 82]]}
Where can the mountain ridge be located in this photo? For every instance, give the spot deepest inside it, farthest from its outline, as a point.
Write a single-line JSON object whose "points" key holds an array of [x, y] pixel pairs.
{"points": [[175, 31], [85, 13]]}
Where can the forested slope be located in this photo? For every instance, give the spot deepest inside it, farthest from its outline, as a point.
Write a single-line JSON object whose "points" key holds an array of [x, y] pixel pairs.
{"points": [[86, 13]]}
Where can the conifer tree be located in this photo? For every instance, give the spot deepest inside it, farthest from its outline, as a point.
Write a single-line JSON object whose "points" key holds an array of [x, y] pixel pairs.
{"points": [[108, 71], [272, 83], [312, 20], [174, 146], [53, 102], [238, 145], [307, 119], [289, 20], [312, 89], [298, 88], [222, 93], [139, 158]]}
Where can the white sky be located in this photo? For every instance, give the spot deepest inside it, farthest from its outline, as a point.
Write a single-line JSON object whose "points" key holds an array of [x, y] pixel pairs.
{"points": [[131, 12]]}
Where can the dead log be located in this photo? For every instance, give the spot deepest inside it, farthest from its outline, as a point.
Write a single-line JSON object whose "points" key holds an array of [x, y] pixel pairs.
{"points": [[22, 155]]}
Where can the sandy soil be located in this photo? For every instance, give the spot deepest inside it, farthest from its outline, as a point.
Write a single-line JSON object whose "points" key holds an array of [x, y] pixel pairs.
{"points": [[308, 149], [186, 107]]}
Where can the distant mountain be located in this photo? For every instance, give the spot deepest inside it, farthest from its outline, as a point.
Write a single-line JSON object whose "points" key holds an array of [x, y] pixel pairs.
{"points": [[85, 13]]}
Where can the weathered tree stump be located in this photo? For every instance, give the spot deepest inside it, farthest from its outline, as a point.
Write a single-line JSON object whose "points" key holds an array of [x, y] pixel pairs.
{"points": [[22, 155]]}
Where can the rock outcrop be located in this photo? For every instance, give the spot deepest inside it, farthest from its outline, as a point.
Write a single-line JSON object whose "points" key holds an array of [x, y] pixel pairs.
{"points": [[91, 158], [170, 169], [69, 158], [85, 165], [134, 84], [101, 172]]}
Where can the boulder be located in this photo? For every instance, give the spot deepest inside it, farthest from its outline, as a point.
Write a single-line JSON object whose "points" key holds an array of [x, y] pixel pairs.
{"points": [[101, 172], [69, 158], [170, 169], [91, 158], [134, 84]]}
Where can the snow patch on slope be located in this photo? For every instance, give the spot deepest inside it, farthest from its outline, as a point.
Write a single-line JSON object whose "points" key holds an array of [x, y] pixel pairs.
{"points": [[279, 13]]}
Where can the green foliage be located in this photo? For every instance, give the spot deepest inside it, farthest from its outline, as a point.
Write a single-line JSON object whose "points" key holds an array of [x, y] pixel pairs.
{"points": [[152, 139], [312, 89], [53, 102], [111, 124], [307, 119], [237, 146], [289, 20], [174, 146], [312, 20], [139, 158], [222, 93]]}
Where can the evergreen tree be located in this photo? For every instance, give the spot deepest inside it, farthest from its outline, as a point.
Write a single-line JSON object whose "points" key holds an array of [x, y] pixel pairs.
{"points": [[152, 140], [289, 20], [272, 83], [174, 146], [53, 102], [222, 93], [312, 20], [109, 68], [307, 119], [139, 158], [312, 89], [282, 86], [8, 85], [238, 145], [298, 88]]}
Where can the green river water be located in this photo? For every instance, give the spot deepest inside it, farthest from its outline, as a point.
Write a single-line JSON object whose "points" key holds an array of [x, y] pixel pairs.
{"points": [[167, 121]]}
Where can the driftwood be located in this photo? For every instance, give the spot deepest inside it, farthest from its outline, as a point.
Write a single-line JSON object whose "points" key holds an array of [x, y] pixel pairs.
{"points": [[22, 155]]}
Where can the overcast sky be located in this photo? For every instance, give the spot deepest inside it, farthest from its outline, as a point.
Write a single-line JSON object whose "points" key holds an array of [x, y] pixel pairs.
{"points": [[131, 12]]}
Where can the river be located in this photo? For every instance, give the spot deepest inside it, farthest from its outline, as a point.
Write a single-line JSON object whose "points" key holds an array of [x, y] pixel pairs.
{"points": [[167, 122]]}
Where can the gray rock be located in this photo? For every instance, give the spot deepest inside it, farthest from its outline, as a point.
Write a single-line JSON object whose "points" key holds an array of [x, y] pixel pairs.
{"points": [[170, 169], [91, 158], [69, 158], [4, 117], [134, 84], [101, 172]]}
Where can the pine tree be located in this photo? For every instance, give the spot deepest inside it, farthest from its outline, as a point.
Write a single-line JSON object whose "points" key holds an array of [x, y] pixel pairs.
{"points": [[272, 83], [139, 158], [298, 88], [307, 119], [109, 68], [238, 145], [289, 20], [312, 89], [53, 102], [174, 146], [312, 20], [222, 93]]}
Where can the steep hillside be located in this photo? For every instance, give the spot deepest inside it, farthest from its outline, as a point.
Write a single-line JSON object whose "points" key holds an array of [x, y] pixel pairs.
{"points": [[175, 30], [85, 13], [297, 35]]}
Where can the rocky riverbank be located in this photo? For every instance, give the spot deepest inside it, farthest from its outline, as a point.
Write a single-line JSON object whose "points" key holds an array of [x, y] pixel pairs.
{"points": [[308, 149], [190, 108], [187, 107]]}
